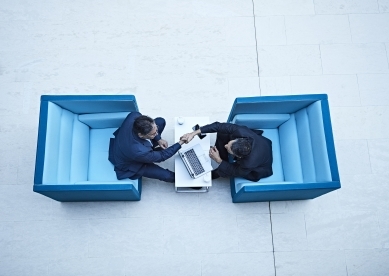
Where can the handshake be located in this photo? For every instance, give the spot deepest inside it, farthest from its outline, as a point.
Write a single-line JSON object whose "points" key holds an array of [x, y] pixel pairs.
{"points": [[186, 138]]}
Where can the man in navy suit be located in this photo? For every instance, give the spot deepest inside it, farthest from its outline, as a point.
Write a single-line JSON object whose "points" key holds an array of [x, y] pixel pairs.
{"points": [[138, 145], [252, 152]]}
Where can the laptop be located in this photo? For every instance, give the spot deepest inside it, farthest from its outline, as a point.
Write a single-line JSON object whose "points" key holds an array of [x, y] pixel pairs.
{"points": [[196, 161]]}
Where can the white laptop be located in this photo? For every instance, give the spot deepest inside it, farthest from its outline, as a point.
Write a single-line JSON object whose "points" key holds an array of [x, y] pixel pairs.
{"points": [[196, 160]]}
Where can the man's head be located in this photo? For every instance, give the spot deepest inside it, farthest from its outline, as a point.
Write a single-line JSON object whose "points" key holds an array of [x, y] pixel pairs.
{"points": [[239, 147], [145, 127]]}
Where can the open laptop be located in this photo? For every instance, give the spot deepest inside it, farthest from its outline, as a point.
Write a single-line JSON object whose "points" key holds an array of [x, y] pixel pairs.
{"points": [[196, 161]]}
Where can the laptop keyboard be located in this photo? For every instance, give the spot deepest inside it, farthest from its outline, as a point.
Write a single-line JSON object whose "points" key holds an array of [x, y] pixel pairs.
{"points": [[194, 162]]}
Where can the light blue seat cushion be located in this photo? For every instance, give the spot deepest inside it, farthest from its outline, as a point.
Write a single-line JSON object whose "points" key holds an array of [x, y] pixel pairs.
{"points": [[260, 121], [290, 151], [305, 146], [79, 162], [319, 144], [66, 149], [103, 120], [101, 170], [278, 174], [50, 169]]}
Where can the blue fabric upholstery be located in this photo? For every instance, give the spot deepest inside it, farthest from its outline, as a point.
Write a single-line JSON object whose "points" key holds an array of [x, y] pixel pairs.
{"points": [[67, 147], [80, 152], [103, 120], [260, 121], [290, 152], [305, 146], [319, 145], [50, 169], [72, 155], [304, 160]]}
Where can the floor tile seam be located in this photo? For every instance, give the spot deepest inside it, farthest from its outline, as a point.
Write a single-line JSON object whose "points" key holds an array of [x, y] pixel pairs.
{"points": [[256, 48], [272, 240], [369, 155], [386, 45], [349, 28]]}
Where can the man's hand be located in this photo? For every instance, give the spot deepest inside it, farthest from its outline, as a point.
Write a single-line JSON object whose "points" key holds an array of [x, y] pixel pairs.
{"points": [[183, 140], [162, 143], [214, 154], [189, 136]]}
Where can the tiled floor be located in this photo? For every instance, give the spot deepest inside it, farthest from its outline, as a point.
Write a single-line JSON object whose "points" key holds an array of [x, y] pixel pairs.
{"points": [[193, 58]]}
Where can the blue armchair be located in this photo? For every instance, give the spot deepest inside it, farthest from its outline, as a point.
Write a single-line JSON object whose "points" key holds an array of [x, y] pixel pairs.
{"points": [[304, 160], [72, 151]]}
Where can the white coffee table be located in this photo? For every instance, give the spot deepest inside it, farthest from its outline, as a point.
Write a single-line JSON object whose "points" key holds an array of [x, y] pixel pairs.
{"points": [[183, 180]]}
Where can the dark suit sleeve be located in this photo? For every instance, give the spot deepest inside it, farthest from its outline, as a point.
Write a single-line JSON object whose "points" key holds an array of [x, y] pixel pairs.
{"points": [[227, 169], [223, 128], [157, 156]]}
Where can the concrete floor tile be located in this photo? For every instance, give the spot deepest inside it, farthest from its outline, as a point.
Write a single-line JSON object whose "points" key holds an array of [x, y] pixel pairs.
{"points": [[361, 230], [362, 122], [342, 90], [219, 203], [53, 239], [361, 192], [18, 203], [88, 266], [383, 5], [379, 155], [180, 264], [345, 6], [289, 232], [258, 264], [198, 235], [324, 231], [311, 263], [275, 86], [373, 89], [317, 29], [289, 60], [247, 87], [354, 58], [124, 237], [270, 30], [23, 266], [368, 28], [367, 262], [353, 156], [295, 7], [254, 233]]}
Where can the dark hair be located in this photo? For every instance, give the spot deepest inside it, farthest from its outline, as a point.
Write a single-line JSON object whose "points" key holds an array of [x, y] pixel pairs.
{"points": [[143, 124], [241, 147]]}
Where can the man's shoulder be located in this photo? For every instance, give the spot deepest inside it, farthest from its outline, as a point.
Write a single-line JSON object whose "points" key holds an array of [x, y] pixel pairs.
{"points": [[131, 118]]}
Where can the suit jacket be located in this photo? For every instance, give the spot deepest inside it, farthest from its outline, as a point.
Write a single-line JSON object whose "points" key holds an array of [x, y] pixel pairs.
{"points": [[129, 153], [257, 165]]}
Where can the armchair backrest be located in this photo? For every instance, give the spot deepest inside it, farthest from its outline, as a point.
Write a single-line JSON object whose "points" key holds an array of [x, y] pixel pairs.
{"points": [[67, 147], [305, 133], [303, 146]]}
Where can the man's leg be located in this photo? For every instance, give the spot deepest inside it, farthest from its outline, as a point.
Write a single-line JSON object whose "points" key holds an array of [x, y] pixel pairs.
{"points": [[154, 171]]}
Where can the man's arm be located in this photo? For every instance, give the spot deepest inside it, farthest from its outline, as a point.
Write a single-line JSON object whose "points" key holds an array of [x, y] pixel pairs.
{"points": [[158, 156], [224, 128], [227, 169]]}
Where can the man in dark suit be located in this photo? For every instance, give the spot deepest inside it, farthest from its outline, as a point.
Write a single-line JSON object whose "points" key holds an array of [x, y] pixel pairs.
{"points": [[252, 152], [138, 145]]}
